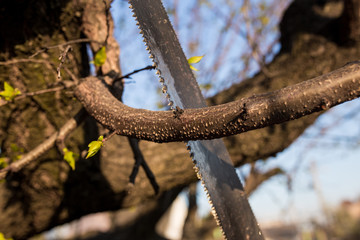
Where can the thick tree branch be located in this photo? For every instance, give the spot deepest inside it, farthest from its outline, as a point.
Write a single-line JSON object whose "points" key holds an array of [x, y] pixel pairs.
{"points": [[219, 121]]}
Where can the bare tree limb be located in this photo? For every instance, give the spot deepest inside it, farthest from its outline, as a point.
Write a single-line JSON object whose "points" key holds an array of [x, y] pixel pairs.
{"points": [[257, 177], [223, 120]]}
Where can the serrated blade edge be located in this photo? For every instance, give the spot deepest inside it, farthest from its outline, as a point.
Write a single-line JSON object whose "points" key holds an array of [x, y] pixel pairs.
{"points": [[212, 162]]}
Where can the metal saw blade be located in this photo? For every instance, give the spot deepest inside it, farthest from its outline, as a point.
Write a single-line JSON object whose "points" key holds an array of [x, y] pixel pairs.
{"points": [[213, 165]]}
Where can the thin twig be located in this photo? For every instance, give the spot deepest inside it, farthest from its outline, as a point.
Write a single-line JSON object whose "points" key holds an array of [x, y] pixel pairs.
{"points": [[16, 61], [149, 67], [81, 40], [255, 51], [110, 135], [30, 94], [62, 59], [72, 75]]}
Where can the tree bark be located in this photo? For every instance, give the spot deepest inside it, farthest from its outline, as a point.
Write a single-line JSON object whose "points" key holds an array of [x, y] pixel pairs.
{"points": [[223, 120], [46, 193]]}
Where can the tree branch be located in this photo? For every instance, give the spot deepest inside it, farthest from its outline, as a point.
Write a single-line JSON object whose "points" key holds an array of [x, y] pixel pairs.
{"points": [[223, 120], [256, 178], [65, 130], [140, 161], [44, 49]]}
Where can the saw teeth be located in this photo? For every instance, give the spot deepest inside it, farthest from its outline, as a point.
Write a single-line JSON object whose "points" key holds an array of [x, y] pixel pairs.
{"points": [[213, 209], [141, 32], [130, 6], [171, 103], [164, 89]]}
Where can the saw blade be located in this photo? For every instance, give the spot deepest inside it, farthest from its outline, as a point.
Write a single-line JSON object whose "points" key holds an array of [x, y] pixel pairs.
{"points": [[212, 162]]}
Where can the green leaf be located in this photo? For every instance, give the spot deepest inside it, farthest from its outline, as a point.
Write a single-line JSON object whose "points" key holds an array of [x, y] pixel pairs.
{"points": [[3, 163], [9, 92], [2, 237], [94, 147], [70, 157], [193, 68], [193, 60], [15, 148], [100, 57]]}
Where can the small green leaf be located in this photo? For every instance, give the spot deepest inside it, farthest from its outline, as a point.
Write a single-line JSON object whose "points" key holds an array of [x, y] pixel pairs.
{"points": [[193, 60], [100, 57], [70, 157], [94, 147], [3, 163], [2, 237], [9, 92], [15, 148], [193, 68]]}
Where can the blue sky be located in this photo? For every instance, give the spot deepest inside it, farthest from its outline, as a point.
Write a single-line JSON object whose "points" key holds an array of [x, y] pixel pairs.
{"points": [[327, 154]]}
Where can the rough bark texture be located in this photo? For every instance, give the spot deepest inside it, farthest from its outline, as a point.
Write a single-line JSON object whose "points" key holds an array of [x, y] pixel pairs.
{"points": [[47, 193], [223, 120]]}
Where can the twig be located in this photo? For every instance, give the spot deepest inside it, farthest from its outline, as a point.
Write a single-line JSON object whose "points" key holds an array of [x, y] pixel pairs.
{"points": [[256, 177], [149, 67], [110, 135], [72, 75], [140, 161], [30, 94], [16, 61], [81, 40], [62, 59], [64, 131], [255, 51]]}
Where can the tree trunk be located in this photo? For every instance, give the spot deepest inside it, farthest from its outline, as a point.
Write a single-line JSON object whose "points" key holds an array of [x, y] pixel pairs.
{"points": [[47, 193]]}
